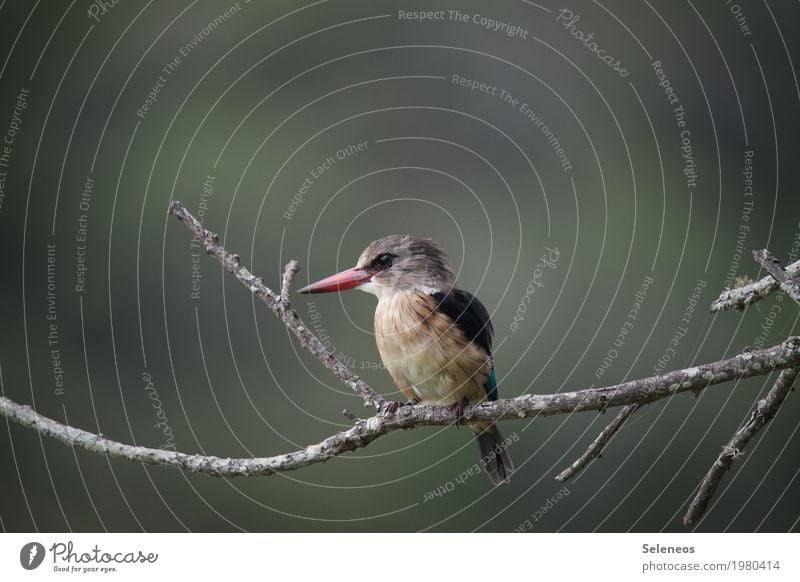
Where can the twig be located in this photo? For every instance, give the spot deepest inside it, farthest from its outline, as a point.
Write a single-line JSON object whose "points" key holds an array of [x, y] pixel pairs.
{"points": [[773, 266], [741, 297], [350, 415], [279, 305], [764, 412], [596, 447], [286, 284]]}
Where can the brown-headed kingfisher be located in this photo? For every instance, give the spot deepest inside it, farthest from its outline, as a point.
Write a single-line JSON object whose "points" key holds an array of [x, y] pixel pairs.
{"points": [[434, 339]]}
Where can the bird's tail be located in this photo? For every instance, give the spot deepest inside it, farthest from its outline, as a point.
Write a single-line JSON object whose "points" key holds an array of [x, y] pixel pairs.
{"points": [[494, 457]]}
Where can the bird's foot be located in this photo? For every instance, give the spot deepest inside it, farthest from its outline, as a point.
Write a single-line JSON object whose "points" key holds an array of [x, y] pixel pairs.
{"points": [[389, 408], [458, 407]]}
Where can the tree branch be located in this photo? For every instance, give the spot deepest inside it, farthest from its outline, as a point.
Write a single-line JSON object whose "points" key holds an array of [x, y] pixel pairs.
{"points": [[597, 445], [279, 305], [773, 267], [359, 436], [631, 395], [764, 412], [741, 297], [292, 267], [745, 365]]}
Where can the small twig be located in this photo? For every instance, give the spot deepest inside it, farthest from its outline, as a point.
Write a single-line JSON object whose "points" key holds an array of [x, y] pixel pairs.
{"points": [[349, 415], [292, 267], [277, 305], [764, 412], [773, 266], [741, 297], [596, 447]]}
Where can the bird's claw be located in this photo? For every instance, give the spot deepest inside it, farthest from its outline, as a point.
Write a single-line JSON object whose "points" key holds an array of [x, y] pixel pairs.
{"points": [[389, 408], [458, 407]]}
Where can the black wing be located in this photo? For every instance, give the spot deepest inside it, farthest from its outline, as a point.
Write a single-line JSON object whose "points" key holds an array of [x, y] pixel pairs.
{"points": [[469, 315]]}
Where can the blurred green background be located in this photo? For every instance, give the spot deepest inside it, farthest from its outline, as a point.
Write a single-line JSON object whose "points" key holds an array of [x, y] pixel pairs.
{"points": [[261, 95]]}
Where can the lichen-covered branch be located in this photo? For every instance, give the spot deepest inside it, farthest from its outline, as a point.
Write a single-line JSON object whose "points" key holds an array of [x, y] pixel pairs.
{"points": [[278, 304], [597, 445], [744, 365], [637, 392], [741, 297], [773, 266], [359, 436], [630, 395], [289, 273], [764, 412]]}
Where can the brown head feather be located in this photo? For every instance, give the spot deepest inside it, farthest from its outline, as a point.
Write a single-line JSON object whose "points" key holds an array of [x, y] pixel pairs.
{"points": [[403, 262]]}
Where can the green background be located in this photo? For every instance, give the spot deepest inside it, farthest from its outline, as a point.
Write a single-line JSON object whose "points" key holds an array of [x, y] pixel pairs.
{"points": [[262, 100]]}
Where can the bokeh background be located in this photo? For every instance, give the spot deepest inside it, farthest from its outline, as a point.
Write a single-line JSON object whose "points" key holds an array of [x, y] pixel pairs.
{"points": [[155, 345]]}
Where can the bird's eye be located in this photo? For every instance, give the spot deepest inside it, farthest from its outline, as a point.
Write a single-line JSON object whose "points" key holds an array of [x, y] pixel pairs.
{"points": [[383, 261]]}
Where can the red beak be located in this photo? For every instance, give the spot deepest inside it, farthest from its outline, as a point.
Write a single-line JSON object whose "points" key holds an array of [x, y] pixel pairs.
{"points": [[343, 281]]}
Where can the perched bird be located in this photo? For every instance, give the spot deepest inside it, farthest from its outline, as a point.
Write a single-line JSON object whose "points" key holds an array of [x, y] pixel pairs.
{"points": [[434, 339]]}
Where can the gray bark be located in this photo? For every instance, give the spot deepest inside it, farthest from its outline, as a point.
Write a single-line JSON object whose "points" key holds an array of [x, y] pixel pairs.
{"points": [[741, 297], [764, 412]]}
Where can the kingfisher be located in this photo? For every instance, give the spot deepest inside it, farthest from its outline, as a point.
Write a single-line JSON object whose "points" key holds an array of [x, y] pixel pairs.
{"points": [[434, 339]]}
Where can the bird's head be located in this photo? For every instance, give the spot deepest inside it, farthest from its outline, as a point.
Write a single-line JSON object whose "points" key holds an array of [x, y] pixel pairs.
{"points": [[399, 262]]}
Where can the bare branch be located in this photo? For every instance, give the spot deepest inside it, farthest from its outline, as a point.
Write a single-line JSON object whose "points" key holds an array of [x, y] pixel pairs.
{"points": [[741, 297], [597, 445], [764, 412], [279, 305], [359, 436], [630, 395], [286, 285], [745, 365], [773, 266]]}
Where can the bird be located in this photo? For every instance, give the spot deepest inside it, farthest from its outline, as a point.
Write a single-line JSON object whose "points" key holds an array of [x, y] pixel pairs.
{"points": [[434, 339]]}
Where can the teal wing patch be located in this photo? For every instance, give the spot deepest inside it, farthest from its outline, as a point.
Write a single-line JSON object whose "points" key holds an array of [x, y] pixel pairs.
{"points": [[491, 386]]}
